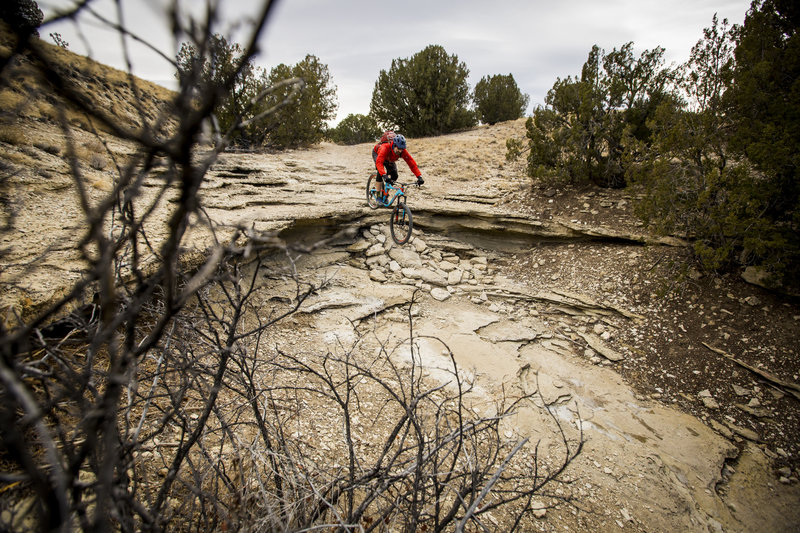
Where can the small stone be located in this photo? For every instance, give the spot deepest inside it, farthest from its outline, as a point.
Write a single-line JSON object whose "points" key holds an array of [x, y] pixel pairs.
{"points": [[710, 403], [380, 260], [375, 249], [377, 275], [447, 266], [440, 294], [752, 301], [358, 246], [454, 277], [722, 429], [748, 434], [759, 276], [740, 391]]}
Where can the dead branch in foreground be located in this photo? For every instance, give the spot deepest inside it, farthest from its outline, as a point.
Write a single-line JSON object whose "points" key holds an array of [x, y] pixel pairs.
{"points": [[152, 395]]}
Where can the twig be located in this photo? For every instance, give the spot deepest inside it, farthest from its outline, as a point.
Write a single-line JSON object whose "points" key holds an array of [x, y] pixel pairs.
{"points": [[791, 388]]}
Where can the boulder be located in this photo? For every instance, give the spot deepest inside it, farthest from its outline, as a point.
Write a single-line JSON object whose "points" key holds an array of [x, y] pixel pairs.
{"points": [[405, 257], [439, 294], [425, 275]]}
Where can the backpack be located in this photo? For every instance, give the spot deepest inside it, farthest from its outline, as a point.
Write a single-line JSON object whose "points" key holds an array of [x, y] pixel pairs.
{"points": [[387, 137]]}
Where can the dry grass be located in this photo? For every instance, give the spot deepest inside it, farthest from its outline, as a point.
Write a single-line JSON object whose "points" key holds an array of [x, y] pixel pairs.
{"points": [[11, 100], [110, 91], [13, 134], [36, 111]]}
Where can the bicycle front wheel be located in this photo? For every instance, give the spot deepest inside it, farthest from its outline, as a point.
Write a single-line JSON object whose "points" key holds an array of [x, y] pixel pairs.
{"points": [[401, 223], [372, 192]]}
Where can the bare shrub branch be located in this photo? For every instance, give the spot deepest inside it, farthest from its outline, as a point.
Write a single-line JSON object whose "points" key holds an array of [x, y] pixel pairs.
{"points": [[156, 389]]}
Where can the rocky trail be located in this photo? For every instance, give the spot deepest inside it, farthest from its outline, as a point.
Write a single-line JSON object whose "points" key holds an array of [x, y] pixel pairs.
{"points": [[683, 390]]}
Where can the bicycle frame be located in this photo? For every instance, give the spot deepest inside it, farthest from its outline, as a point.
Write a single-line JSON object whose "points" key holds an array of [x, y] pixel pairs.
{"points": [[399, 191], [401, 221]]}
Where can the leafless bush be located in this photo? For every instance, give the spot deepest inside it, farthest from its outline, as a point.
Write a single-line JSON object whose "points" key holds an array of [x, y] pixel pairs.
{"points": [[150, 396], [367, 440]]}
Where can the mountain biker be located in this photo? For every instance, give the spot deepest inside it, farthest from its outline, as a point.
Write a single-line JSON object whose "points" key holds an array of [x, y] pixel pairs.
{"points": [[385, 154]]}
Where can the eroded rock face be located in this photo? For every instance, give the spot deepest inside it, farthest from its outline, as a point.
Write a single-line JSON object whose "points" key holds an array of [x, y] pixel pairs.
{"points": [[644, 464]]}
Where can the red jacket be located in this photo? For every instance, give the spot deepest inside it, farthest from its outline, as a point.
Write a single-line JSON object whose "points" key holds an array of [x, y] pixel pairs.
{"points": [[385, 152]]}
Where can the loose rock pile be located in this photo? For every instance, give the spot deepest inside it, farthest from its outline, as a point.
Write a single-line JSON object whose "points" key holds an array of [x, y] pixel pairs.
{"points": [[443, 270]]}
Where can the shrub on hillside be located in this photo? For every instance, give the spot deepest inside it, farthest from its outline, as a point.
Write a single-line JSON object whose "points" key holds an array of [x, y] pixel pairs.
{"points": [[497, 98], [355, 129], [426, 94], [722, 169], [579, 135], [302, 119], [23, 16]]}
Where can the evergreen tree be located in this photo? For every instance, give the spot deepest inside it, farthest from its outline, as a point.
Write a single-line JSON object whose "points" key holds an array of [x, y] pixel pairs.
{"points": [[427, 94], [695, 185], [764, 105], [245, 91], [356, 129], [23, 16], [220, 66], [497, 98], [301, 122], [588, 119]]}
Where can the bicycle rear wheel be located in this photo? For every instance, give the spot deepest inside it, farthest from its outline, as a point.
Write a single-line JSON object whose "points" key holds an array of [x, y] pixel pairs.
{"points": [[401, 223], [372, 192]]}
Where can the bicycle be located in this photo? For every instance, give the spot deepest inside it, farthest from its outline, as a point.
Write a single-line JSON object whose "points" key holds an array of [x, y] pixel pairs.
{"points": [[401, 221]]}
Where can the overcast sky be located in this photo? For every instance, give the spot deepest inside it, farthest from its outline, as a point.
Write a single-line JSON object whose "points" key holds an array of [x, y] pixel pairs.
{"points": [[534, 40]]}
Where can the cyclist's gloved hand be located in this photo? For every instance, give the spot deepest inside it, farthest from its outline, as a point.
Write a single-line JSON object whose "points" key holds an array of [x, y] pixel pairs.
{"points": [[420, 181]]}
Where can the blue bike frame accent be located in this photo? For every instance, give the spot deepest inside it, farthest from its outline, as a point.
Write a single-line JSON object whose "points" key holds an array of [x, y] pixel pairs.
{"points": [[399, 192]]}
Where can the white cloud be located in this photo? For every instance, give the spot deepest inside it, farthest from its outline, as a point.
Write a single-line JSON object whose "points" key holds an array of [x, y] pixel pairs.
{"points": [[534, 40]]}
